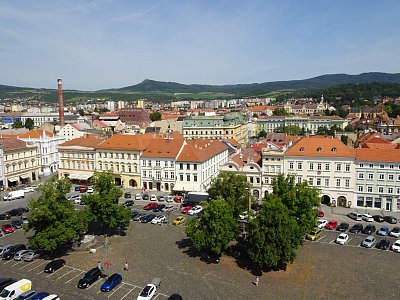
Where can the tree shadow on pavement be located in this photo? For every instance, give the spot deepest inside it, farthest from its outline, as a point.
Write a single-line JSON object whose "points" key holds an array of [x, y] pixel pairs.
{"points": [[187, 247]]}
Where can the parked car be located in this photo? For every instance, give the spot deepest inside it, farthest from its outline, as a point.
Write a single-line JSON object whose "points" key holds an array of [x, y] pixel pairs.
{"points": [[6, 282], [195, 210], [7, 228], [168, 208], [145, 197], [368, 242], [396, 246], [161, 198], [54, 265], [19, 254], [147, 292], [128, 195], [77, 188], [74, 198], [158, 219], [395, 232], [179, 220], [24, 220], [111, 282], [89, 278], [138, 197], [5, 216], [343, 227], [332, 224], [159, 208], [186, 209], [31, 255], [367, 218], [4, 249], [390, 219], [175, 297], [378, 218], [356, 228], [39, 296], [138, 216], [15, 212], [83, 189], [178, 199], [150, 206], [322, 223], [320, 214], [369, 229], [52, 297], [128, 203], [24, 209], [28, 189], [153, 197], [342, 239], [314, 235], [16, 224], [383, 244], [383, 231], [355, 216], [169, 198], [90, 190], [9, 254], [2, 234], [134, 213], [148, 218], [26, 295]]}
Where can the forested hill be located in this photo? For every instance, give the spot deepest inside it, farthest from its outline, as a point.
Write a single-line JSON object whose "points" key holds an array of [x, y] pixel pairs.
{"points": [[243, 89]]}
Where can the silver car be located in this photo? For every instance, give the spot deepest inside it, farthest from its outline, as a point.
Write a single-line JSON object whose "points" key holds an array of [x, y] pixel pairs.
{"points": [[31, 255], [19, 254], [4, 249], [368, 242]]}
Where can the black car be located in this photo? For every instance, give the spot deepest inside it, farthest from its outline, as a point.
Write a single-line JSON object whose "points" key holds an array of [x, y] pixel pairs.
{"points": [[383, 244], [138, 216], [128, 203], [390, 219], [145, 197], [6, 282], [356, 228], [54, 265], [343, 227], [159, 208], [161, 198], [24, 209], [378, 218], [5, 216], [127, 195], [15, 212], [210, 258], [175, 297], [90, 277], [369, 229], [9, 254], [148, 218], [17, 224], [134, 213]]}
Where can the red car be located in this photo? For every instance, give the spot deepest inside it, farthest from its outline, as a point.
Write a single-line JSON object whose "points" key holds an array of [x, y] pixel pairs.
{"points": [[7, 228], [321, 214], [178, 199], [150, 206], [332, 224], [186, 209]]}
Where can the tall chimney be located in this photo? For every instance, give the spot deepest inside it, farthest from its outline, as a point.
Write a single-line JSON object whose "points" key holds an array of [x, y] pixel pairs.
{"points": [[60, 103]]}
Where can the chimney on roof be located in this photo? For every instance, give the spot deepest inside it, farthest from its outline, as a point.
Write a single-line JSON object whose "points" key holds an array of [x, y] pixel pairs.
{"points": [[60, 103]]}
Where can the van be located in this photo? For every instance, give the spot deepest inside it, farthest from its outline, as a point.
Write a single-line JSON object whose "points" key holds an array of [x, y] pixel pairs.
{"points": [[314, 235], [14, 290], [4, 282], [355, 216]]}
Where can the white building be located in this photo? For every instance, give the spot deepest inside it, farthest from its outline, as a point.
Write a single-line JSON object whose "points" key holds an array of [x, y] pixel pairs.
{"points": [[46, 143], [74, 130]]}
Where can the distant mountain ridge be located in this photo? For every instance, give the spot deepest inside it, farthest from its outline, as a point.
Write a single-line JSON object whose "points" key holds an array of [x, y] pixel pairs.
{"points": [[318, 82]]}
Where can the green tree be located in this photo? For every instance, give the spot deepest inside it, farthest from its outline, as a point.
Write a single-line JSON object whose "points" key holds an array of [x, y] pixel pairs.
{"points": [[300, 199], [54, 220], [274, 235], [17, 124], [102, 205], [155, 116], [290, 129], [215, 229], [29, 124], [344, 139], [280, 112], [81, 112], [233, 188], [261, 134]]}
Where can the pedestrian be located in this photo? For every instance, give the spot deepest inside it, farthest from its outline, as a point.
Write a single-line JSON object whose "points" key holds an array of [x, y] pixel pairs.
{"points": [[99, 265], [257, 281], [126, 267]]}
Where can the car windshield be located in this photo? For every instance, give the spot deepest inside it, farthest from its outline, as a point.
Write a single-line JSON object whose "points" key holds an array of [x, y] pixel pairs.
{"points": [[145, 291], [5, 293]]}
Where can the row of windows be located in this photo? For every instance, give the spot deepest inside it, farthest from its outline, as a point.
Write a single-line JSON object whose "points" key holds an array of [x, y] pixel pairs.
{"points": [[158, 163], [167, 175], [381, 166], [381, 176], [20, 166], [340, 182], [319, 166], [118, 155], [192, 132], [188, 177], [77, 155], [379, 189], [19, 155]]}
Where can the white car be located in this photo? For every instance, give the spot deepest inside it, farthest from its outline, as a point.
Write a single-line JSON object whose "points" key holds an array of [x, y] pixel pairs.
{"points": [[395, 232], [342, 239], [243, 215], [195, 210], [367, 218], [24, 220], [147, 293], [158, 220], [153, 198], [169, 198], [90, 190], [168, 208], [138, 196], [322, 223], [396, 246], [29, 189], [78, 200]]}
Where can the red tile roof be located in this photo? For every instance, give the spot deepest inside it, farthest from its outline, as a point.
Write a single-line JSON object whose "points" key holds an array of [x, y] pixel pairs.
{"points": [[88, 141], [164, 146], [200, 150], [12, 144], [126, 142], [36, 134], [378, 153]]}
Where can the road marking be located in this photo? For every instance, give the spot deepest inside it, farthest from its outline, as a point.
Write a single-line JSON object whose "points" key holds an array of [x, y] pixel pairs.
{"points": [[64, 274], [128, 292], [37, 266], [93, 284], [74, 277], [17, 262], [28, 264], [8, 261], [114, 290]]}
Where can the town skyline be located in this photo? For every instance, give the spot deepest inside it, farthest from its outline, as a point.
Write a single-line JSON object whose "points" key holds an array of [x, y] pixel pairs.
{"points": [[111, 44]]}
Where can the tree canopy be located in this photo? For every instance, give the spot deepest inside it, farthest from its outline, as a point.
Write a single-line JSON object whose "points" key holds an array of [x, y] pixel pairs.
{"points": [[102, 205], [17, 124], [29, 124], [155, 116], [54, 220], [280, 112], [233, 188], [215, 229], [290, 129]]}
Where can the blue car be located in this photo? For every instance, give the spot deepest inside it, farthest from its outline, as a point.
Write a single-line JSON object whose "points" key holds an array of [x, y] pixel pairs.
{"points": [[383, 231], [111, 282], [77, 188], [39, 296]]}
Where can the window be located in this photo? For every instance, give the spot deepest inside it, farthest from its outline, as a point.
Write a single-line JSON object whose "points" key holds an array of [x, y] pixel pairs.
{"points": [[360, 188], [380, 190], [181, 166], [361, 165], [347, 167], [377, 203], [319, 166], [381, 176], [195, 178], [158, 175], [369, 189], [319, 149], [391, 166], [144, 174], [298, 179], [318, 181], [338, 167], [188, 177], [302, 149], [371, 165], [390, 190], [326, 167], [157, 163], [194, 167], [326, 181], [333, 149], [299, 165], [181, 177], [166, 175], [398, 191], [258, 180], [398, 177], [338, 182], [310, 181], [370, 176], [291, 165], [187, 166], [381, 166], [347, 183], [251, 179], [360, 176], [391, 177]]}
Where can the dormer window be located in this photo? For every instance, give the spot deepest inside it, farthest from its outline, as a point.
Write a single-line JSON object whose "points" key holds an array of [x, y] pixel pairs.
{"points": [[333, 149], [319, 149], [302, 149]]}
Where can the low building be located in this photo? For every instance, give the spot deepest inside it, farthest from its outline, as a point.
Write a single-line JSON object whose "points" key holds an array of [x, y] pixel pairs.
{"points": [[75, 130]]}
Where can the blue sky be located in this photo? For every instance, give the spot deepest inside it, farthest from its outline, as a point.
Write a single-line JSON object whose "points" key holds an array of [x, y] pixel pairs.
{"points": [[103, 44]]}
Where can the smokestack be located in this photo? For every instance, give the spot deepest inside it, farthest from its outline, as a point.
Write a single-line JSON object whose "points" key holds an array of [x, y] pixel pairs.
{"points": [[60, 103]]}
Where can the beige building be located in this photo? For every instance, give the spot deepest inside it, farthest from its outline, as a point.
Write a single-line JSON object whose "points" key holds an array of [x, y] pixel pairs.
{"points": [[21, 162]]}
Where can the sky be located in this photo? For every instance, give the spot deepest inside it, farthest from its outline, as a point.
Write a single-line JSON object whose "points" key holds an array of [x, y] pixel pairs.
{"points": [[105, 44]]}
